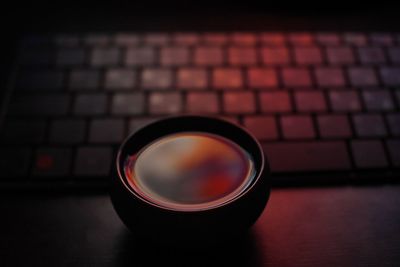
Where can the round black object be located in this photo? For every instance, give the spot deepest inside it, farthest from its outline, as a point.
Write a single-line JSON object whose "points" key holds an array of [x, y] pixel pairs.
{"points": [[164, 225]]}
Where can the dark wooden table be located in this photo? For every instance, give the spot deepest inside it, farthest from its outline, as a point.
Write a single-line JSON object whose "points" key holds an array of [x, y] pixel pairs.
{"points": [[343, 226]]}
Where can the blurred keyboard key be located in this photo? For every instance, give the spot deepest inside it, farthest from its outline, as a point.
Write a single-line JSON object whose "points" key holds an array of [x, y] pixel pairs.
{"points": [[276, 101], [327, 38], [239, 102], [96, 39], [306, 156], [106, 131], [215, 38], [90, 104], [192, 78], [71, 56], [371, 55], [261, 78], [82, 79], [307, 55], [384, 39], [14, 162], [66, 40], [368, 154], [329, 77], [355, 38], [174, 56], [204, 102], [68, 131], [120, 79], [310, 101], [262, 127], [242, 56], [128, 104], [140, 56], [126, 39], [153, 78], [165, 103], [137, 123], [300, 38], [340, 55], [227, 78], [273, 39], [362, 76], [52, 162], [390, 76], [331, 126], [394, 54], [394, 123], [297, 127], [105, 57], [40, 80], [344, 100], [378, 100], [369, 125], [393, 146], [208, 56], [23, 132], [44, 104], [93, 161], [36, 56], [186, 38], [275, 55], [244, 38], [156, 39], [296, 77]]}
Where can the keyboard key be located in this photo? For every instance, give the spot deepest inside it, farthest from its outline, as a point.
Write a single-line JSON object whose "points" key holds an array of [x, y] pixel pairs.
{"points": [[362, 76], [341, 55], [307, 55], [35, 40], [239, 102], [272, 38], [306, 156], [44, 104], [186, 38], [208, 56], [96, 39], [381, 39], [174, 56], [394, 123], [156, 78], [68, 131], [227, 78], [140, 56], [393, 146], [14, 162], [52, 162], [66, 40], [23, 132], [231, 119], [165, 103], [156, 39], [296, 77], [262, 78], [106, 131], [329, 77], [36, 56], [262, 127], [192, 78], [368, 154], [202, 103], [275, 55], [297, 127], [128, 104], [137, 123], [215, 38], [93, 161], [354, 38], [371, 55], [378, 100], [244, 38], [394, 54], [331, 126], [369, 125], [120, 79], [105, 57], [327, 38], [300, 38], [126, 39], [390, 76], [70, 56], [344, 100], [84, 79], [242, 56], [90, 104], [277, 101], [310, 101], [40, 80]]}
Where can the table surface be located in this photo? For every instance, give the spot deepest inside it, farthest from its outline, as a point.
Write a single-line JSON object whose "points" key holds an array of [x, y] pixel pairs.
{"points": [[341, 226]]}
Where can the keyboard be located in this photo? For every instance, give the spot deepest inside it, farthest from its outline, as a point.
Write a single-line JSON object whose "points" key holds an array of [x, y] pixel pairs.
{"points": [[325, 106]]}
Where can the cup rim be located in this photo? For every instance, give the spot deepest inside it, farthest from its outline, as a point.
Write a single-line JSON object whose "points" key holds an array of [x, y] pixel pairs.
{"points": [[259, 172]]}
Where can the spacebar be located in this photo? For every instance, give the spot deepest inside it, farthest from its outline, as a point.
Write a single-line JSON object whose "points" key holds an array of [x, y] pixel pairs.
{"points": [[307, 156]]}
